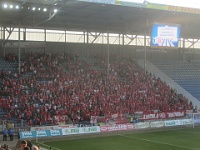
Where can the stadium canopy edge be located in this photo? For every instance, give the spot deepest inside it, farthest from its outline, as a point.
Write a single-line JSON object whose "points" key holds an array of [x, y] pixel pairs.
{"points": [[146, 4]]}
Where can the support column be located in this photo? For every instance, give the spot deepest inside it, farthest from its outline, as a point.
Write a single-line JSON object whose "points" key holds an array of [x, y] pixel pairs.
{"points": [[4, 41], [184, 43], [65, 41], [183, 57], [87, 51], [123, 45], [24, 34], [119, 44], [1, 33], [19, 49], [145, 53], [84, 41], [45, 40], [108, 54], [84, 37], [145, 47]]}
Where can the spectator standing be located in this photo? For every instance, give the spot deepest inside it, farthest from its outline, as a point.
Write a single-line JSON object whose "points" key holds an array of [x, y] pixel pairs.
{"points": [[11, 133], [5, 133]]}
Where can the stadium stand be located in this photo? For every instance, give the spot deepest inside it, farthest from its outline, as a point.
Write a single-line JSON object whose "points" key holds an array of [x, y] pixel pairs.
{"points": [[185, 73], [64, 87]]}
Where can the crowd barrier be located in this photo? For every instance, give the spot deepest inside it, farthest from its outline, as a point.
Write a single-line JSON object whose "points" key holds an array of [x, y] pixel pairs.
{"points": [[71, 130]]}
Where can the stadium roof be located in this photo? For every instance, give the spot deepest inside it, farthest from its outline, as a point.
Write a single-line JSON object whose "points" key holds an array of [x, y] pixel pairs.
{"points": [[88, 15]]}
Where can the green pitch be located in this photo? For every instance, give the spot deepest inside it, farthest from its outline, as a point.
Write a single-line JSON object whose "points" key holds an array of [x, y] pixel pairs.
{"points": [[176, 139]]}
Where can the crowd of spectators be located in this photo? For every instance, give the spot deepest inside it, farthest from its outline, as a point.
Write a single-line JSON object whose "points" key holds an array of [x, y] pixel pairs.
{"points": [[26, 145], [54, 87], [11, 57], [4, 147]]}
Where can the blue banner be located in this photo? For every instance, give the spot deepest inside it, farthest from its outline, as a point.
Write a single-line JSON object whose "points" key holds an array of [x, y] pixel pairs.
{"points": [[57, 132], [40, 134], [27, 134]]}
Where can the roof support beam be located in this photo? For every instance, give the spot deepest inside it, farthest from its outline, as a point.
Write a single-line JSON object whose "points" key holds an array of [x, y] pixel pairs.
{"points": [[19, 49], [131, 38], [95, 36], [9, 30], [192, 43], [5, 39]]}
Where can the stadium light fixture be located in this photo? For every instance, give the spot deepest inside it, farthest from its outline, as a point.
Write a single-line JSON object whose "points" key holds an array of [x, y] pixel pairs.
{"points": [[11, 6], [45, 9], [55, 10], [5, 6], [33, 8], [39, 9], [17, 7]]}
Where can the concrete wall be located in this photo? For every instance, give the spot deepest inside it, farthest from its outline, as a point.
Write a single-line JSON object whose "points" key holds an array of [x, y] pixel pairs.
{"points": [[135, 52], [90, 50]]}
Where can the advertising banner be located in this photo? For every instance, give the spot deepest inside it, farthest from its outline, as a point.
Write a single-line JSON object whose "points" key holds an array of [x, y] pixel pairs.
{"points": [[40, 134], [82, 130], [117, 127], [27, 134], [196, 121], [164, 115], [100, 1], [172, 123], [93, 129], [57, 132], [157, 6], [129, 4], [157, 124], [184, 9], [70, 131], [186, 121], [172, 8], [142, 125]]}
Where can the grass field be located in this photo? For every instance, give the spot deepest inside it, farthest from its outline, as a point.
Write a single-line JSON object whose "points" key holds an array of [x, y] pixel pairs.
{"points": [[173, 139]]}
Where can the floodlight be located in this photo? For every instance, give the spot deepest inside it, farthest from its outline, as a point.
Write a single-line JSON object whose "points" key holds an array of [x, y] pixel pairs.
{"points": [[5, 6], [17, 7], [45, 9], [33, 8], [55, 10], [39, 9], [11, 6]]}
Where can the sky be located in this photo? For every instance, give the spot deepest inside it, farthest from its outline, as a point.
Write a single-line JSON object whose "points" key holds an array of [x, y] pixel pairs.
{"points": [[183, 3]]}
